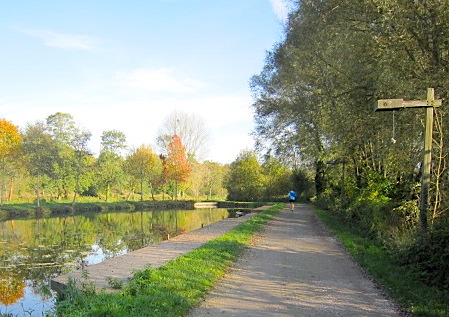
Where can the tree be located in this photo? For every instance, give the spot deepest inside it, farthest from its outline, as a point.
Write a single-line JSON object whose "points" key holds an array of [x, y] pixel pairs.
{"points": [[10, 141], [113, 141], [63, 130], [176, 166], [82, 158], [245, 180], [213, 180], [278, 178], [190, 128], [109, 167], [62, 127], [206, 180], [145, 166], [197, 176], [40, 152]]}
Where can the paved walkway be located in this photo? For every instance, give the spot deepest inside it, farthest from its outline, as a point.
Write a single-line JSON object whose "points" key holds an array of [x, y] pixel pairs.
{"points": [[295, 268]]}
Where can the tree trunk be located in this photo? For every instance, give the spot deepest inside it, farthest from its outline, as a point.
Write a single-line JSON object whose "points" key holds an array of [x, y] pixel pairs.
{"points": [[38, 199], [11, 190], [2, 199], [320, 179], [76, 190], [107, 193], [141, 190]]}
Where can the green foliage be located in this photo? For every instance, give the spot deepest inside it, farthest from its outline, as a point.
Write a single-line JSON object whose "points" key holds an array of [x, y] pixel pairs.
{"points": [[173, 289], [278, 179], [109, 172], [114, 283], [245, 180], [373, 209], [303, 183], [428, 256]]}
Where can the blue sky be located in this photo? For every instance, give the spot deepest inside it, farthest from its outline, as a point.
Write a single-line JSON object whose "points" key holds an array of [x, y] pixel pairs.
{"points": [[126, 65]]}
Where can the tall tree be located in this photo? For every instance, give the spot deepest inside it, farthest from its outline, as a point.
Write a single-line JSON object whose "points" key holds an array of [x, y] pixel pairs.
{"points": [[245, 180], [190, 128], [82, 159], [278, 178], [109, 165], [176, 166], [10, 140], [145, 166], [40, 152], [113, 141], [63, 131], [213, 179]]}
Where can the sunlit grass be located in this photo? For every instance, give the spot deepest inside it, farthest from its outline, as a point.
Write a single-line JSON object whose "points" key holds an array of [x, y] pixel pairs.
{"points": [[401, 283], [173, 289]]}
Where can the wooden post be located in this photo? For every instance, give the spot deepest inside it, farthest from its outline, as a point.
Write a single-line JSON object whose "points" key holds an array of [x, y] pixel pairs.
{"points": [[429, 104], [427, 160]]}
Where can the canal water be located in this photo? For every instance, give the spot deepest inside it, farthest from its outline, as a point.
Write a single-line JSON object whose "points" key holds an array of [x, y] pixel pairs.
{"points": [[33, 251]]}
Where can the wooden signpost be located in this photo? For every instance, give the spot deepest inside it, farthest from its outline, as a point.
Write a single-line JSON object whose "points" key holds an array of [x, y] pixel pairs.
{"points": [[429, 105]]}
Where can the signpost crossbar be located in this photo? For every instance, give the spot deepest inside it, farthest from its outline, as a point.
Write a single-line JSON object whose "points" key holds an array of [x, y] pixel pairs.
{"points": [[392, 104]]}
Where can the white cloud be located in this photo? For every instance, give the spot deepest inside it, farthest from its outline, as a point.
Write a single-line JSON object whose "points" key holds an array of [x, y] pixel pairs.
{"points": [[159, 80], [63, 40], [280, 8]]}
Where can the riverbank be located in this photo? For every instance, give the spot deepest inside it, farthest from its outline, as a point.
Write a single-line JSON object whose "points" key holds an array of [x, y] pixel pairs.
{"points": [[28, 210], [170, 290]]}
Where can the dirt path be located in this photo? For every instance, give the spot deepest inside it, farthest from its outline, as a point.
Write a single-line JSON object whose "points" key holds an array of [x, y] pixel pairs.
{"points": [[295, 268]]}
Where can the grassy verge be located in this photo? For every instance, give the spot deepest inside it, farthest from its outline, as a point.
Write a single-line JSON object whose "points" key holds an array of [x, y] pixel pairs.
{"points": [[173, 289], [402, 284]]}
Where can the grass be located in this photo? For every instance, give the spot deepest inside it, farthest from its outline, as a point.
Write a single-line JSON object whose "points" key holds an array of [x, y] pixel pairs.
{"points": [[402, 284], [171, 290]]}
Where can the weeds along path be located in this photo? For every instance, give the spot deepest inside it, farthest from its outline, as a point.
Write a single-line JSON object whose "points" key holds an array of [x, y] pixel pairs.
{"points": [[295, 268]]}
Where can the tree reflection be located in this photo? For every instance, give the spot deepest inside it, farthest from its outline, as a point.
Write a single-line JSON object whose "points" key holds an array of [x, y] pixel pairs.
{"points": [[12, 287]]}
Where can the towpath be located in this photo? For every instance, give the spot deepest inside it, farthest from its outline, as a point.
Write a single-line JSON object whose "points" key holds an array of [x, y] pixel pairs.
{"points": [[295, 268], [121, 268]]}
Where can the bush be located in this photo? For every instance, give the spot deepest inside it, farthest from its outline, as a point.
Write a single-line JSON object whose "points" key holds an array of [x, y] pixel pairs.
{"points": [[429, 255]]}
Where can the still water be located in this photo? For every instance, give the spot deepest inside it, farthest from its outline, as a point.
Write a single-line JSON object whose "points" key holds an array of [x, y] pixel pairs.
{"points": [[33, 251]]}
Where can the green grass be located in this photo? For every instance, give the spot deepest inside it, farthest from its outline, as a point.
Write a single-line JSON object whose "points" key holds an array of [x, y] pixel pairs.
{"points": [[171, 290], [401, 283]]}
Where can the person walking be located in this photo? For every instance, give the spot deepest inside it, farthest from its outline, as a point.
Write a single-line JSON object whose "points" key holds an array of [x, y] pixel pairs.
{"points": [[292, 198]]}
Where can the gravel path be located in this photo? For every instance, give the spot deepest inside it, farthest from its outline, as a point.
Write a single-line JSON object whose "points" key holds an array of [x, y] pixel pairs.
{"points": [[295, 268]]}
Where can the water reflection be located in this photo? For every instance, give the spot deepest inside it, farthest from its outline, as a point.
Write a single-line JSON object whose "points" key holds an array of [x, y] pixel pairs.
{"points": [[34, 251]]}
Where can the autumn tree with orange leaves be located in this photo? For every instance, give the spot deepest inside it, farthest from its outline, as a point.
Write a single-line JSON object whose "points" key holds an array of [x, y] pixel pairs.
{"points": [[176, 166], [10, 141]]}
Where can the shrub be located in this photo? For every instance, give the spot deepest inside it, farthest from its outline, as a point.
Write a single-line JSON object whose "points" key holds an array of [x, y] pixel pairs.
{"points": [[428, 254]]}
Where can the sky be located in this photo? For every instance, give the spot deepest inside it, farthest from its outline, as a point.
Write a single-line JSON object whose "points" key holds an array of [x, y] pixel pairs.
{"points": [[126, 65]]}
